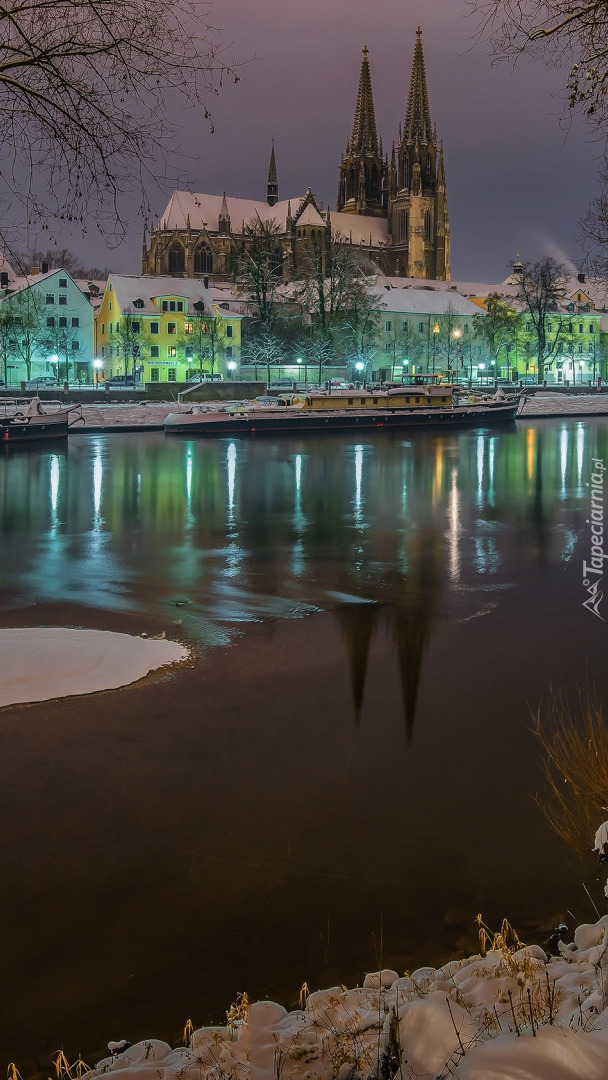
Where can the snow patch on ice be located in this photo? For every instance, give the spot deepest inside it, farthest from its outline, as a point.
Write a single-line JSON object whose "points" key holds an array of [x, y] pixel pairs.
{"points": [[40, 663]]}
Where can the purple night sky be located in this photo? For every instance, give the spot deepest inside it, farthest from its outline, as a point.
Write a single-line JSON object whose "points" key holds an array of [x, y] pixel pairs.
{"points": [[518, 178]]}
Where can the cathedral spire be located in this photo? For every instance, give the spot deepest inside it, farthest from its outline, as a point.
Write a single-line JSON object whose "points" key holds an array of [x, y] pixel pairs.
{"points": [[418, 113], [272, 190], [364, 125]]}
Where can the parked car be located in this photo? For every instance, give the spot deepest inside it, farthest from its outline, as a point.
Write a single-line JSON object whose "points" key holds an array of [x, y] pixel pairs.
{"points": [[119, 380], [340, 384], [205, 376], [42, 382], [281, 384]]}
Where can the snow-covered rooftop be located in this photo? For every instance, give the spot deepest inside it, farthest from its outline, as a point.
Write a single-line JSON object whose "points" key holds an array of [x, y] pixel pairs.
{"points": [[426, 302], [148, 288]]}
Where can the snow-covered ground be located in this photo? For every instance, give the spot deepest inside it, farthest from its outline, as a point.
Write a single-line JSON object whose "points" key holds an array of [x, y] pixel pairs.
{"points": [[49, 662], [513, 1014]]}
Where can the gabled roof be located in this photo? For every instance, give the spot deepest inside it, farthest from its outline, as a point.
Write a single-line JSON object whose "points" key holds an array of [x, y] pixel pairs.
{"points": [[148, 288], [361, 229], [426, 302], [202, 211], [310, 216]]}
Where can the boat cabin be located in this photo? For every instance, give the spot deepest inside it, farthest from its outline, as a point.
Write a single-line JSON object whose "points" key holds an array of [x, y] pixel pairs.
{"points": [[403, 397]]}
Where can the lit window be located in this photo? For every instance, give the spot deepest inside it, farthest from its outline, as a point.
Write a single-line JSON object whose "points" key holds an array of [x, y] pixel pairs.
{"points": [[188, 328], [205, 328], [171, 352], [172, 374]]}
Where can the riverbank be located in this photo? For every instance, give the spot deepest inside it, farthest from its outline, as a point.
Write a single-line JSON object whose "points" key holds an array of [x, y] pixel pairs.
{"points": [[509, 1013], [150, 416]]}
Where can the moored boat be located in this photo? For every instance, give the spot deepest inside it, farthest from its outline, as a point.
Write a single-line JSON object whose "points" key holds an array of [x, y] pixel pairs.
{"points": [[27, 420], [402, 407]]}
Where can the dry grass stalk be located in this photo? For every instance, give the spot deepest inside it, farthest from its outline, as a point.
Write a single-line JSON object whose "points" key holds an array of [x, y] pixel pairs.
{"points": [[576, 766]]}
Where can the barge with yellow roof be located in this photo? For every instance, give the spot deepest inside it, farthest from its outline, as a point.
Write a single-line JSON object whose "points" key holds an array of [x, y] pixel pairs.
{"points": [[433, 405]]}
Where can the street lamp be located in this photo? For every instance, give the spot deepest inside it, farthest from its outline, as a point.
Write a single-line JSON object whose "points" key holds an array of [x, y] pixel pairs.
{"points": [[299, 363], [359, 367], [55, 360], [436, 330], [97, 366], [231, 366], [456, 334]]}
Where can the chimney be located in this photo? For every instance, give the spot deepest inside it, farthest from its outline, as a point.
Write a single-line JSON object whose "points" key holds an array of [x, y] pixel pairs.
{"points": [[45, 267], [34, 270], [581, 278]]}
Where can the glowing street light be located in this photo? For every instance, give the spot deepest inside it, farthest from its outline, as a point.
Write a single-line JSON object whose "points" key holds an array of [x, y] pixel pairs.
{"points": [[231, 367], [97, 365]]}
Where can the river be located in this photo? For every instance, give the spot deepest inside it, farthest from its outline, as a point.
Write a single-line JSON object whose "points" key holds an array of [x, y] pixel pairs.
{"points": [[344, 775]]}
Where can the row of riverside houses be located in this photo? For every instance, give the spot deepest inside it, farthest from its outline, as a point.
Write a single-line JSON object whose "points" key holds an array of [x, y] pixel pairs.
{"points": [[164, 330]]}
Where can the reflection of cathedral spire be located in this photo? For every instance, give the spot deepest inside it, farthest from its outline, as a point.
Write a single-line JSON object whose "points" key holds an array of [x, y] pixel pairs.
{"points": [[411, 631], [358, 624]]}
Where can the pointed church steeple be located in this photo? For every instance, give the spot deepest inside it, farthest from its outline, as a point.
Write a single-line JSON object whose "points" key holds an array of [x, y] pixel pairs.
{"points": [[362, 169], [418, 114], [364, 125], [272, 190]]}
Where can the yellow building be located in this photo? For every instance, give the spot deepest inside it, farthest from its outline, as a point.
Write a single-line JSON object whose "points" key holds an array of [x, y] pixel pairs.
{"points": [[159, 330]]}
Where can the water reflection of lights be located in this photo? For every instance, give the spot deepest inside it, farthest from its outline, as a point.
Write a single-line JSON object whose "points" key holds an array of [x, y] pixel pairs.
{"points": [[438, 475], [359, 500], [580, 447], [189, 469], [491, 463], [97, 487], [455, 528], [480, 465], [298, 562], [563, 459], [530, 443], [231, 467], [54, 491]]}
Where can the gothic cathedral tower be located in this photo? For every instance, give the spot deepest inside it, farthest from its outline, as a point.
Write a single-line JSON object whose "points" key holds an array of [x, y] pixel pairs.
{"points": [[362, 170], [410, 191]]}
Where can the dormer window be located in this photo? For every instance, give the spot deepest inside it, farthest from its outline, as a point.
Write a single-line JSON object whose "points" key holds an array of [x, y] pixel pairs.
{"points": [[570, 307], [139, 303]]}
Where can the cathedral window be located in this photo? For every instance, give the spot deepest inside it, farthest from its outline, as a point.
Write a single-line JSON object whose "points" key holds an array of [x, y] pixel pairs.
{"points": [[427, 226], [203, 260], [403, 224], [406, 172], [177, 258], [428, 166]]}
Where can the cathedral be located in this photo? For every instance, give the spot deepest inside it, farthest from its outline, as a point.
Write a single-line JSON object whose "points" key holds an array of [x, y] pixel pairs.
{"points": [[393, 209]]}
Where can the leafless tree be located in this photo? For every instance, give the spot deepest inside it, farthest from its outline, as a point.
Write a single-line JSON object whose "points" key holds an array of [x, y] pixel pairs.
{"points": [[574, 32], [259, 267], [540, 287], [84, 87]]}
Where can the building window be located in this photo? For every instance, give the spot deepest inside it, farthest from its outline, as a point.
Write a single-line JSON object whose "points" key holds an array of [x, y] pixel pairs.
{"points": [[171, 352], [154, 374], [229, 350], [177, 258], [229, 331], [171, 328], [549, 327], [154, 352], [421, 328], [103, 328], [63, 299], [387, 346], [138, 303], [63, 283], [50, 321], [75, 346], [165, 305], [427, 226], [570, 328], [590, 346], [172, 374], [403, 223], [63, 322], [180, 305], [172, 305], [404, 327], [203, 260], [76, 322], [465, 328], [580, 328], [580, 348], [204, 328], [50, 299], [154, 327], [591, 328], [188, 328], [388, 326]]}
